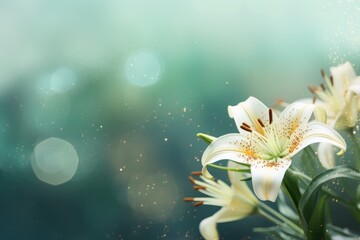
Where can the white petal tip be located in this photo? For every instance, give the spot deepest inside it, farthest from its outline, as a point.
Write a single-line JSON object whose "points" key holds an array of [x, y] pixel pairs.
{"points": [[208, 228], [267, 194], [341, 152], [271, 198]]}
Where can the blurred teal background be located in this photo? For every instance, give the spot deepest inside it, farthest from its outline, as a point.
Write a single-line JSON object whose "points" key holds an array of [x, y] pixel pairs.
{"points": [[128, 84]]}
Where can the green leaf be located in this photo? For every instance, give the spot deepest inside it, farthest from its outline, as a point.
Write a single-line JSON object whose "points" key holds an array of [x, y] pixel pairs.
{"points": [[285, 209], [312, 203], [341, 233], [290, 186], [279, 232], [318, 217], [309, 162]]}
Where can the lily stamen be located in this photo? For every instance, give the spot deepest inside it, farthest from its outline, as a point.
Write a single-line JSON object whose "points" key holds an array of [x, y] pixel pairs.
{"points": [[188, 199], [199, 188], [314, 100], [191, 179], [261, 123], [323, 87], [322, 73], [197, 204], [243, 127], [313, 89], [270, 116]]}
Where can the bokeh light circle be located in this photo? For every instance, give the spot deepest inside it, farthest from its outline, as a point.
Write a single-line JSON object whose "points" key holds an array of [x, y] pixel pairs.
{"points": [[55, 161], [143, 68], [63, 80]]}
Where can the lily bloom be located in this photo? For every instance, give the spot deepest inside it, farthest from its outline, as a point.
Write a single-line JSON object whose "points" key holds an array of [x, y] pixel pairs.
{"points": [[339, 97], [267, 142], [236, 201]]}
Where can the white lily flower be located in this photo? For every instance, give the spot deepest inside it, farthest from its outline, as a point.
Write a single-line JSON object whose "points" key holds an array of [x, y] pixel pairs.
{"points": [[340, 96], [236, 201], [267, 142], [340, 99]]}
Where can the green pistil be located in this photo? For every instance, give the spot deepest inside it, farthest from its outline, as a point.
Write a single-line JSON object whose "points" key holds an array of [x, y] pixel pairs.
{"points": [[276, 158]]}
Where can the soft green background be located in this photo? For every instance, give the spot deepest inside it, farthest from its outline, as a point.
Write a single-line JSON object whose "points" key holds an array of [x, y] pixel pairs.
{"points": [[137, 145]]}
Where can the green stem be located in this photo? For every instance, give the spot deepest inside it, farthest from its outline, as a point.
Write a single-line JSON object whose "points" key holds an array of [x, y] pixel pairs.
{"points": [[229, 169], [356, 146], [281, 217], [269, 217]]}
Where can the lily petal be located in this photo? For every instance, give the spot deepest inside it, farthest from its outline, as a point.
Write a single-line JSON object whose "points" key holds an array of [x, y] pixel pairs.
{"points": [[320, 114], [231, 146], [267, 177], [241, 204], [355, 86], [208, 229], [320, 111], [343, 75], [249, 112], [226, 214], [322, 106], [229, 213], [326, 154], [240, 187], [316, 133], [311, 101], [349, 114], [294, 116]]}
